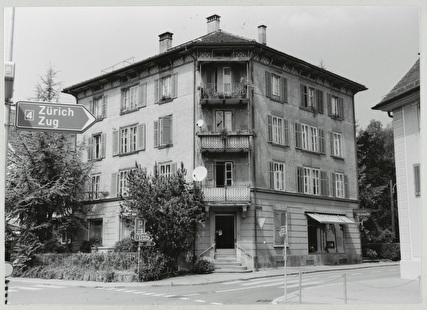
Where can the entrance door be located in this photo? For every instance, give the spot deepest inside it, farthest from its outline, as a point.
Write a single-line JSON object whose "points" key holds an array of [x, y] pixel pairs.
{"points": [[224, 231]]}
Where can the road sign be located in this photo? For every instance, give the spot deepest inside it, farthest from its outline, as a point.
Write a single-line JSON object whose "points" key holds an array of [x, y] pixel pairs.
{"points": [[282, 231], [142, 237], [362, 212], [44, 116], [8, 269]]}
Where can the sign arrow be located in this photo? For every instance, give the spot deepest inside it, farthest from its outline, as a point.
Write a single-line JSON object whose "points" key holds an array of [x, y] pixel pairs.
{"points": [[32, 115]]}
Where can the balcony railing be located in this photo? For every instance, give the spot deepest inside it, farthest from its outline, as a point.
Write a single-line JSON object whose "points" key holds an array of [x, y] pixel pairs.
{"points": [[225, 141], [232, 194], [223, 91]]}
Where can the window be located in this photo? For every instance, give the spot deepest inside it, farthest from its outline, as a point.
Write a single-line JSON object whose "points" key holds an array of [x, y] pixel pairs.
{"points": [[280, 221], [226, 74], [311, 98], [98, 107], [325, 238], [123, 182], [278, 130], [166, 169], [335, 107], [312, 181], [95, 187], [165, 88], [129, 139], [134, 97], [277, 176], [309, 138], [223, 120], [340, 185], [95, 230], [417, 186], [96, 146], [336, 144], [223, 173], [276, 87], [163, 131]]}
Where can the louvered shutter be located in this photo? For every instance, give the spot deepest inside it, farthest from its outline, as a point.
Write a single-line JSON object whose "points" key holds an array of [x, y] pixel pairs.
{"points": [[267, 84], [334, 191], [115, 142], [90, 148], [270, 128], [271, 174], [329, 102], [209, 177], [173, 168], [346, 187], [103, 144], [331, 138], [114, 184], [156, 91], [319, 99], [304, 98], [166, 130], [143, 95], [91, 109], [341, 108], [321, 141], [104, 106], [284, 90], [300, 180], [156, 133], [174, 85], [286, 131], [298, 137], [324, 183], [141, 137]]}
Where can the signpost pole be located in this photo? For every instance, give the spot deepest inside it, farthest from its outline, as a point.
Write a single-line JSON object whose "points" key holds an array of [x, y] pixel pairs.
{"points": [[139, 257]]}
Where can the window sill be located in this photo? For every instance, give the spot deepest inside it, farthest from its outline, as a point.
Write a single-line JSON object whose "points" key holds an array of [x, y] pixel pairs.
{"points": [[310, 109], [337, 157], [279, 145], [276, 99], [164, 146], [310, 152], [126, 154], [123, 112], [99, 119], [280, 246], [97, 159], [163, 101], [337, 118]]}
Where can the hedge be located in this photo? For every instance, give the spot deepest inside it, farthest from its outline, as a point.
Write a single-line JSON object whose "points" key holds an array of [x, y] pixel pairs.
{"points": [[383, 251]]}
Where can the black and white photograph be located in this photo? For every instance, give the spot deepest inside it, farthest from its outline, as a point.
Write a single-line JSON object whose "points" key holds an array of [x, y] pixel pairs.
{"points": [[221, 154]]}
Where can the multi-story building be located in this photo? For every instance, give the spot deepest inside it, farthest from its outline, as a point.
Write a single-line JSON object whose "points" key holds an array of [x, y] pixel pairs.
{"points": [[403, 104], [275, 133]]}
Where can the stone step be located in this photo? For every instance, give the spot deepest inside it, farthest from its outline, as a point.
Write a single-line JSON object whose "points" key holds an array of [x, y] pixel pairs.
{"points": [[231, 270], [228, 264]]}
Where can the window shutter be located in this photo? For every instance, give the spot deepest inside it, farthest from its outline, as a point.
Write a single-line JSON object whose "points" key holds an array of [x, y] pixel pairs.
{"points": [[341, 108], [91, 109], [321, 141], [319, 98], [143, 95], [167, 130], [174, 85], [103, 144], [267, 84], [271, 174], [156, 91], [417, 186], [346, 187], [331, 138], [300, 179], [277, 219], [284, 90], [156, 134], [114, 184], [334, 191], [209, 177], [173, 168], [286, 131], [298, 135], [324, 183], [303, 95], [141, 137], [270, 128], [115, 142], [104, 106], [90, 148], [329, 99]]}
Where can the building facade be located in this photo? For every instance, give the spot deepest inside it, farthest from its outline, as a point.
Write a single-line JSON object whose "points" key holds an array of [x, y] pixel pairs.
{"points": [[403, 104], [276, 135]]}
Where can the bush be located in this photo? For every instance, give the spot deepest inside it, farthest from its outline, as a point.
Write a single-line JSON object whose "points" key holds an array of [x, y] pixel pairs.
{"points": [[203, 266], [389, 251], [153, 266], [87, 245], [126, 245]]}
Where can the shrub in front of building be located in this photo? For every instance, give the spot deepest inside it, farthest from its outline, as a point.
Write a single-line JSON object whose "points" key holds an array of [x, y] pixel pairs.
{"points": [[203, 266]]}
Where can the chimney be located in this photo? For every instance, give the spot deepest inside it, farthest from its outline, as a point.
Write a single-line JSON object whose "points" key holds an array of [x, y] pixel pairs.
{"points": [[262, 34], [213, 23], [165, 41]]}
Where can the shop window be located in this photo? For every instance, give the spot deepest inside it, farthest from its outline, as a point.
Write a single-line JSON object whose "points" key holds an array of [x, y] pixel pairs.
{"points": [[325, 238], [95, 230]]}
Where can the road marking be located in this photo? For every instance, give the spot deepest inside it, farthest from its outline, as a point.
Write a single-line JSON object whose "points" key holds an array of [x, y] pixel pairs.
{"points": [[129, 291], [149, 293], [184, 298], [216, 303], [356, 274], [158, 295], [49, 286], [233, 282], [198, 300], [120, 289], [27, 288], [139, 292], [188, 295], [169, 296]]}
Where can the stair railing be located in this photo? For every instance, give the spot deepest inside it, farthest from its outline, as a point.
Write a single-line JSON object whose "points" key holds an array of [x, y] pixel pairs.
{"points": [[208, 249], [245, 252]]}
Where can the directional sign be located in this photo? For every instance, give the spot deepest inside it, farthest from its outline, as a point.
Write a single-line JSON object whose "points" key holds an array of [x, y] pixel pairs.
{"points": [[142, 237], [32, 115]]}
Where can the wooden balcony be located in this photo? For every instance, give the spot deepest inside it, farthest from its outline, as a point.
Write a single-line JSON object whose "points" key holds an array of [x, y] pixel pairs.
{"points": [[232, 194], [225, 141], [220, 93]]}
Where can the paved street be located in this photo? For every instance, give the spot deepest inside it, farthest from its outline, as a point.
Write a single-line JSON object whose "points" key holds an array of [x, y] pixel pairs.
{"points": [[376, 284]]}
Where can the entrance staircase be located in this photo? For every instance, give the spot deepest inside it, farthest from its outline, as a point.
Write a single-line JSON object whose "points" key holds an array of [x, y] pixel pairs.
{"points": [[226, 262]]}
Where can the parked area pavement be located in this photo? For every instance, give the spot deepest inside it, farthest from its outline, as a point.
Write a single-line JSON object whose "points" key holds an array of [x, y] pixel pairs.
{"points": [[389, 290]]}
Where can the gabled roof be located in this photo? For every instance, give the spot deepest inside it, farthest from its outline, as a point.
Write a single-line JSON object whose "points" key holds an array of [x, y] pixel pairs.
{"points": [[409, 83]]}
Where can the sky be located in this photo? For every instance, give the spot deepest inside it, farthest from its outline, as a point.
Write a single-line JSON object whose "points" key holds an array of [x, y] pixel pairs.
{"points": [[371, 45]]}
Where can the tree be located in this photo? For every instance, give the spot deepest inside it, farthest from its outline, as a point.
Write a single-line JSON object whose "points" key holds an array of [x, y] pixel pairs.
{"points": [[171, 208], [375, 150], [45, 176]]}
